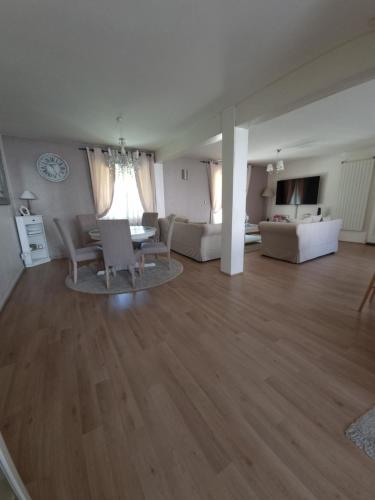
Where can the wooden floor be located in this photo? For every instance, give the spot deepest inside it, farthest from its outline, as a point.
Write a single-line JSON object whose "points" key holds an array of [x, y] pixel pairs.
{"points": [[208, 387]]}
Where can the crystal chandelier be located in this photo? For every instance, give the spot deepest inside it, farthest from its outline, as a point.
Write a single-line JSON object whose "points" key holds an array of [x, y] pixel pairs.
{"points": [[280, 166], [120, 160]]}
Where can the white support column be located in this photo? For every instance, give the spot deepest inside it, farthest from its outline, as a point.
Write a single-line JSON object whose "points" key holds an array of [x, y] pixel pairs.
{"points": [[234, 154]]}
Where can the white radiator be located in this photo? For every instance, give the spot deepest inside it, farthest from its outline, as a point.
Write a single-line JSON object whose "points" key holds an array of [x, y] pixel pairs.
{"points": [[354, 189]]}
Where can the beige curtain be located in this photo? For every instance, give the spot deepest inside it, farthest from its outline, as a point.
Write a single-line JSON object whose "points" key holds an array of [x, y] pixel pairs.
{"points": [[102, 181], [215, 181], [145, 181], [248, 177]]}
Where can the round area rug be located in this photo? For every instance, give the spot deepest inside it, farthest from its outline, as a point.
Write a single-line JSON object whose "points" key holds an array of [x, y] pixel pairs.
{"points": [[89, 282]]}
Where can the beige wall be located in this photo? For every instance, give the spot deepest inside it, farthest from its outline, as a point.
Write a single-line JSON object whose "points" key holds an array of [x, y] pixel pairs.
{"points": [[11, 264], [256, 205], [61, 199], [329, 170], [189, 198]]}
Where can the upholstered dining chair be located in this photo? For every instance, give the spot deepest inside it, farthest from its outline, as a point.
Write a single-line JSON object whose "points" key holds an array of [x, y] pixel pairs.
{"points": [[164, 245], [150, 219], [117, 248], [370, 293], [76, 255], [85, 223]]}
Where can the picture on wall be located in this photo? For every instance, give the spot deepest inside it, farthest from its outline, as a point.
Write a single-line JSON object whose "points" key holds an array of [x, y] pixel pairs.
{"points": [[4, 193]]}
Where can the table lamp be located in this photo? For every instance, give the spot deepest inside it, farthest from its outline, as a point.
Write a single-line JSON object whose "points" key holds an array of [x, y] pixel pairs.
{"points": [[28, 195]]}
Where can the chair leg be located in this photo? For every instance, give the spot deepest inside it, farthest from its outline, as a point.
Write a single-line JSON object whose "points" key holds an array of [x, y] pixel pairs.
{"points": [[75, 272], [369, 293], [140, 266], [132, 274], [107, 280]]}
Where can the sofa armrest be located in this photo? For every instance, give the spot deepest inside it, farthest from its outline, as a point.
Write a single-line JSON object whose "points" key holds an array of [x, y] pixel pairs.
{"points": [[211, 229]]}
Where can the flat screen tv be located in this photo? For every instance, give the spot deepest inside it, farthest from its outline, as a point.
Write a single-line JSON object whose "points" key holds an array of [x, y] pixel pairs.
{"points": [[303, 191]]}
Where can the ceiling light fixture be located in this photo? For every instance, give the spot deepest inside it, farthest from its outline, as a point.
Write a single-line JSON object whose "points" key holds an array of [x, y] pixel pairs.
{"points": [[280, 165], [120, 159]]}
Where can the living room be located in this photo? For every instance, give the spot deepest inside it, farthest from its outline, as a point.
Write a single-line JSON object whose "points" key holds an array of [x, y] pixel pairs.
{"points": [[176, 320], [313, 141]]}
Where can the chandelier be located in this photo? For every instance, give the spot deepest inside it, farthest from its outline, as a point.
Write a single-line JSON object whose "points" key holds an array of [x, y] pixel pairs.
{"points": [[280, 166], [120, 160]]}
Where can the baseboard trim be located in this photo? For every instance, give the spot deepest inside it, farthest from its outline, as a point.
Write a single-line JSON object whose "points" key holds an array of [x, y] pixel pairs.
{"points": [[4, 299], [353, 236]]}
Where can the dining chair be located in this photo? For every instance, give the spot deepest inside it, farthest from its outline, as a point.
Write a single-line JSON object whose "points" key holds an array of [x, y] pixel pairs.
{"points": [[164, 245], [76, 255], [117, 248], [86, 222], [369, 294], [150, 219]]}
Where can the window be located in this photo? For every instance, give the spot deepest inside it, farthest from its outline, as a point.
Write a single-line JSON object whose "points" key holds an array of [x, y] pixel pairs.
{"points": [[126, 203]]}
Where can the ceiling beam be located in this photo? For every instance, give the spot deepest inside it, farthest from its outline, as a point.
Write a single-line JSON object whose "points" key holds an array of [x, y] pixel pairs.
{"points": [[343, 67], [207, 130]]}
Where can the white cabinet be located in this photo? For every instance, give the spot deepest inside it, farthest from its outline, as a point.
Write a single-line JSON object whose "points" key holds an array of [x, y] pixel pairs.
{"points": [[33, 240]]}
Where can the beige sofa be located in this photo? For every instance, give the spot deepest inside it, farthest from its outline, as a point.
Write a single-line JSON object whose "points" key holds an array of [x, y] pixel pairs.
{"points": [[299, 242], [201, 242]]}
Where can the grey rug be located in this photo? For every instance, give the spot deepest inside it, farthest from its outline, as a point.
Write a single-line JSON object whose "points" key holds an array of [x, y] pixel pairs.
{"points": [[362, 433], [89, 282]]}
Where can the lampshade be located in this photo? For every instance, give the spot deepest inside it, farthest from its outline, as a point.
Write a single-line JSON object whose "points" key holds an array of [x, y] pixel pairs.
{"points": [[28, 195], [280, 166], [269, 168], [268, 192]]}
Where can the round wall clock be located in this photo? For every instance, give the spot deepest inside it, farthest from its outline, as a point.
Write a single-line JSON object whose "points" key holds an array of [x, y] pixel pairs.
{"points": [[52, 167]]}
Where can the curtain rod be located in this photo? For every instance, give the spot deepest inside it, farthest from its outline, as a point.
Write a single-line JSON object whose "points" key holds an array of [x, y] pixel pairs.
{"points": [[361, 159], [212, 161], [106, 150]]}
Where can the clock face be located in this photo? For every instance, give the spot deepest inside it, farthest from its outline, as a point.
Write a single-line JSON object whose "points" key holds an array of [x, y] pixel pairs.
{"points": [[52, 167]]}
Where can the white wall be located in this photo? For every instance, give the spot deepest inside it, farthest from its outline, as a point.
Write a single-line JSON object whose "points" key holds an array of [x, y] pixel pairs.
{"points": [[61, 199], [329, 170], [11, 264], [189, 198]]}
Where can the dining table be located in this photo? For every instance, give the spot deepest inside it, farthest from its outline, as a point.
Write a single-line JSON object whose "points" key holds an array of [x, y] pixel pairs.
{"points": [[138, 233]]}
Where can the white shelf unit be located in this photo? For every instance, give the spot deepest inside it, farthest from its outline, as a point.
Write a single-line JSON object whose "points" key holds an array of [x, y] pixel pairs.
{"points": [[33, 240]]}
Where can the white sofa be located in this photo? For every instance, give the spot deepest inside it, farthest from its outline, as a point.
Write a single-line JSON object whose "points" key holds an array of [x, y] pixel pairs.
{"points": [[298, 242], [201, 242]]}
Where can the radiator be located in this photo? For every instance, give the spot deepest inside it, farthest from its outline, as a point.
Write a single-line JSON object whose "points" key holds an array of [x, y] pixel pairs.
{"points": [[354, 189]]}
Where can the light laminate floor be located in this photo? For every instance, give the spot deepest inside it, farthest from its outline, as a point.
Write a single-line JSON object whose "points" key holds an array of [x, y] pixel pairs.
{"points": [[207, 388]]}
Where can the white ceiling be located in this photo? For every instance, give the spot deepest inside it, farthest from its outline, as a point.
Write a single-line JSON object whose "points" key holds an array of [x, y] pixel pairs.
{"points": [[335, 124], [68, 68]]}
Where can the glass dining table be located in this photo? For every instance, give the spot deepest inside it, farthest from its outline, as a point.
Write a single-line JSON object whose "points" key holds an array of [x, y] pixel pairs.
{"points": [[138, 233]]}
